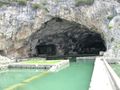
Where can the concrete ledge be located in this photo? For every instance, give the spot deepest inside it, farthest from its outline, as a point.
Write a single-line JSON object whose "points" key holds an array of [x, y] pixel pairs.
{"points": [[113, 75], [2, 67], [4, 62], [88, 58], [101, 79], [52, 67], [26, 66], [59, 66]]}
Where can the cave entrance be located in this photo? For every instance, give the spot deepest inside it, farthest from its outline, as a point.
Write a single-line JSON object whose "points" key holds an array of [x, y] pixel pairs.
{"points": [[64, 38], [91, 43], [46, 50]]}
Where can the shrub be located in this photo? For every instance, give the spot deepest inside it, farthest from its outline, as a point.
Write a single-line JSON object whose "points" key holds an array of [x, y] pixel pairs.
{"points": [[3, 3], [83, 2], [110, 17], [112, 39], [36, 6], [22, 2]]}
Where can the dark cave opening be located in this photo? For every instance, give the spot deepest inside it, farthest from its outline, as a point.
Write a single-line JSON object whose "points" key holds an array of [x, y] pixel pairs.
{"points": [[87, 43], [46, 49], [2, 52], [92, 43], [59, 37]]}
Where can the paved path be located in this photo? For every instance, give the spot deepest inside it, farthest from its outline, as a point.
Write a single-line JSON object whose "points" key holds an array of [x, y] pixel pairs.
{"points": [[100, 79]]}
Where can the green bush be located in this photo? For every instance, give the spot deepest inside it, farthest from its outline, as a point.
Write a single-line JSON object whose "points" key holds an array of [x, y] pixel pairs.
{"points": [[22, 2], [83, 2], [36, 6], [3, 3], [110, 17]]}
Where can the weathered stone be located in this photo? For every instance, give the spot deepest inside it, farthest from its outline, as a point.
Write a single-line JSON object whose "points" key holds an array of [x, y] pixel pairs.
{"points": [[24, 33], [2, 44], [115, 23], [18, 23]]}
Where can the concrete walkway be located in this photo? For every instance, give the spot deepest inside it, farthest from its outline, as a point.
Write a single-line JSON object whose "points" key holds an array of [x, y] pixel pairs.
{"points": [[101, 79]]}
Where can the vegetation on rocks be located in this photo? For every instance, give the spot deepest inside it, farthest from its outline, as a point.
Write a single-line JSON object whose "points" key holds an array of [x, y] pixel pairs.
{"points": [[110, 17], [36, 6], [22, 2], [110, 27], [83, 2], [39, 6], [3, 3]]}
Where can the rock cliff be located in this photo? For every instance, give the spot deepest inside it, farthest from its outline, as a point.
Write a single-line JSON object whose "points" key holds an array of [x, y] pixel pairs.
{"points": [[20, 20]]}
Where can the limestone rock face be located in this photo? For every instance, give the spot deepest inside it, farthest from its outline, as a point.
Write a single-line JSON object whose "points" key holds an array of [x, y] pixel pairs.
{"points": [[115, 22], [18, 23], [114, 27], [5, 61]]}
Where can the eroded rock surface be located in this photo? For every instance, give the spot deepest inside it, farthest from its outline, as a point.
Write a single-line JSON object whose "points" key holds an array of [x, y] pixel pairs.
{"points": [[18, 23]]}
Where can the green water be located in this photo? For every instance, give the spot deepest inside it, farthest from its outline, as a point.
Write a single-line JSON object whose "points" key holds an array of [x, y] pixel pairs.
{"points": [[11, 77], [116, 68], [76, 77]]}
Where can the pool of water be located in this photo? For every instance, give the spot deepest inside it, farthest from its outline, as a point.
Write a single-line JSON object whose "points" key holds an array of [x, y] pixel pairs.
{"points": [[75, 77], [13, 76]]}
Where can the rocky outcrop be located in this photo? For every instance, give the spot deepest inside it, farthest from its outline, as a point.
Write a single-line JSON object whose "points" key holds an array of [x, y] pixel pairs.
{"points": [[114, 27], [18, 23]]}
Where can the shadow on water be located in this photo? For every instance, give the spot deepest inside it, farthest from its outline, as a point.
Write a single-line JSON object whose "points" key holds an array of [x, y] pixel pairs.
{"points": [[72, 59]]}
